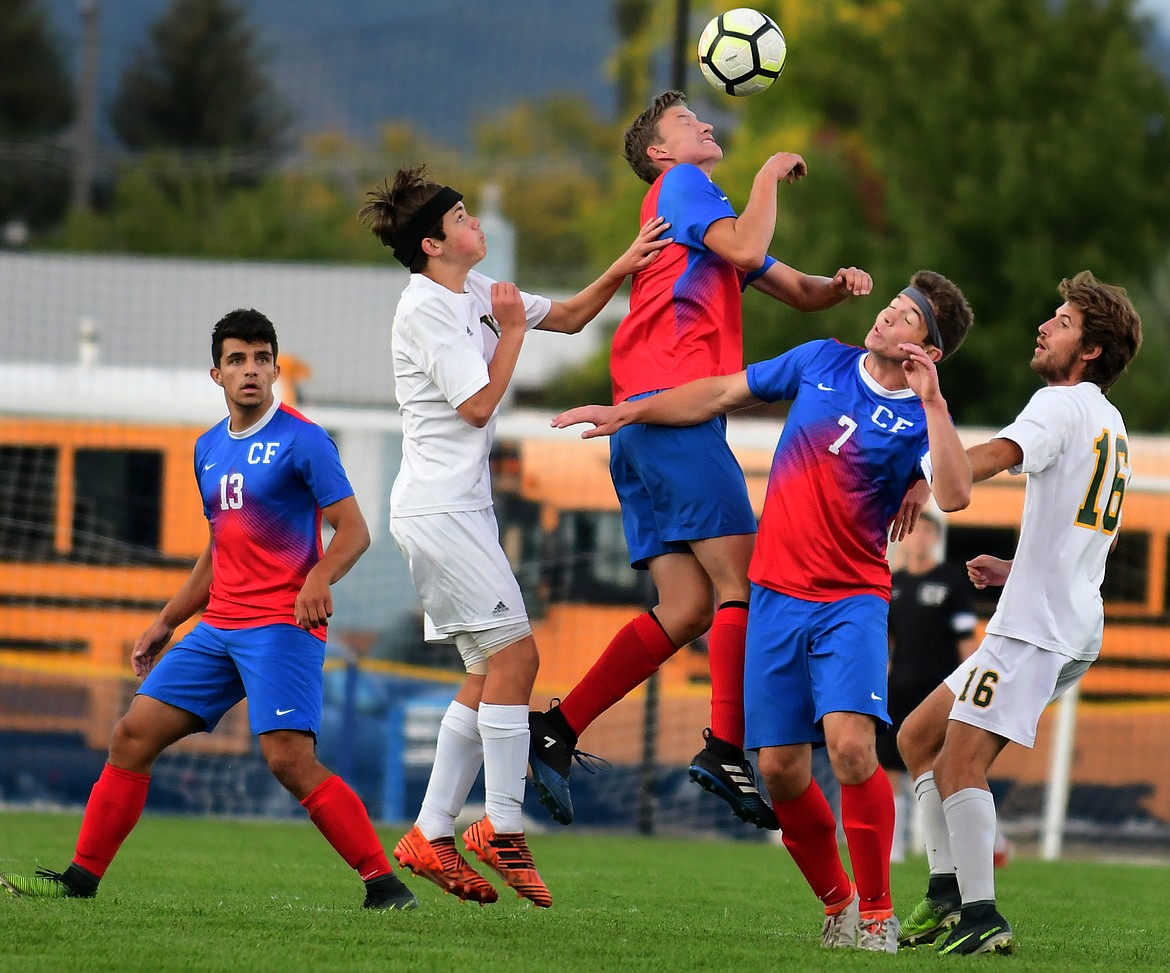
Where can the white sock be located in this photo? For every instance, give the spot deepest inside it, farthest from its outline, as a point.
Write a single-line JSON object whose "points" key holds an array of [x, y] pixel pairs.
{"points": [[504, 730], [971, 820], [898, 848], [934, 826], [458, 757]]}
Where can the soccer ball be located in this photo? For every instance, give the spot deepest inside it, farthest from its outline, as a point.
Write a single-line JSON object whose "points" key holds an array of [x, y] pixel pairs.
{"points": [[742, 51]]}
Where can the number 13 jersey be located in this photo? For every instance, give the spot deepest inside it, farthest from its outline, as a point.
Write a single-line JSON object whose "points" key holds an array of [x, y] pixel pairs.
{"points": [[263, 491]]}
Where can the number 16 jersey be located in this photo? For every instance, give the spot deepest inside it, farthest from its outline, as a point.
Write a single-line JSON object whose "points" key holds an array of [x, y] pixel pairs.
{"points": [[1076, 455]]}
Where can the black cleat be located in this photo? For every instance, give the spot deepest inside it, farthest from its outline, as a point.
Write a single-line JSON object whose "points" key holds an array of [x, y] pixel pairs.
{"points": [[724, 769], [388, 892]]}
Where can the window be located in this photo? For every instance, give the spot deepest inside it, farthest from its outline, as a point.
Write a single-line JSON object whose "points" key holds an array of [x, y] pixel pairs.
{"points": [[591, 562], [964, 543], [28, 488], [1127, 570], [117, 504]]}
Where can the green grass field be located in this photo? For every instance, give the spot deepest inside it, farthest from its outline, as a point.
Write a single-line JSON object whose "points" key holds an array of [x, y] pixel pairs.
{"points": [[209, 895]]}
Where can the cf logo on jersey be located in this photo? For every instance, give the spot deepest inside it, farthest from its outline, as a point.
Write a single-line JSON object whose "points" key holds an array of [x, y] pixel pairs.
{"points": [[267, 449], [882, 416]]}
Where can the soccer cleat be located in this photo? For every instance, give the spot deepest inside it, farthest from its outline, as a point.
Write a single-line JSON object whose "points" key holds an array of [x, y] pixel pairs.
{"points": [[930, 919], [46, 884], [389, 892], [989, 933], [439, 861], [509, 856], [724, 769], [551, 752], [878, 935], [840, 928]]}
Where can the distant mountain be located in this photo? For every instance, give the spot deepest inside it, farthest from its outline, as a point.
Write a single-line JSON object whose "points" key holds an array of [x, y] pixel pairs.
{"points": [[442, 65]]}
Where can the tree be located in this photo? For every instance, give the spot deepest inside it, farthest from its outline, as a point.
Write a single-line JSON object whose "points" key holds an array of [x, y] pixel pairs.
{"points": [[36, 106], [198, 85], [1006, 144]]}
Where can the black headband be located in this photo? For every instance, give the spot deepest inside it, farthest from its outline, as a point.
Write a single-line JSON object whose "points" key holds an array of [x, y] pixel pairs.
{"points": [[927, 314], [426, 216]]}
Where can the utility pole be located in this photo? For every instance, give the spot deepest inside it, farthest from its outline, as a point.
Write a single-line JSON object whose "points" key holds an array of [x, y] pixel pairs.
{"points": [[84, 145], [682, 45]]}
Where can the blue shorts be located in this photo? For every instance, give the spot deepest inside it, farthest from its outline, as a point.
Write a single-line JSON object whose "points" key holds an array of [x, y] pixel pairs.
{"points": [[804, 659], [677, 484], [277, 667]]}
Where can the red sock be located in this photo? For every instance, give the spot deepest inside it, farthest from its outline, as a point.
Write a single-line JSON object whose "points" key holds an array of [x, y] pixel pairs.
{"points": [[810, 835], [629, 660], [867, 811], [114, 807], [341, 817], [725, 656]]}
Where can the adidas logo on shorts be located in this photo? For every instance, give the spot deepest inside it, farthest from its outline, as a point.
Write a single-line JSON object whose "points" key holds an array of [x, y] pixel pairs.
{"points": [[500, 608]]}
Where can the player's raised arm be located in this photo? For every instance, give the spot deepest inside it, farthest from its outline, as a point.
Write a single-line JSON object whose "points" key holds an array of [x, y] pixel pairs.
{"points": [[951, 469], [687, 405], [743, 240], [569, 317], [809, 292]]}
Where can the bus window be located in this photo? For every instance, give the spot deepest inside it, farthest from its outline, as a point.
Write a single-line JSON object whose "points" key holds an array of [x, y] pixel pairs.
{"points": [[1126, 571], [523, 542], [965, 542], [117, 504], [590, 562], [28, 485]]}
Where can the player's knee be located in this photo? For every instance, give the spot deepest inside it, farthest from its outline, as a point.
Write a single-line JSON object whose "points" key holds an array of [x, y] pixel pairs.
{"points": [[854, 759], [785, 775], [691, 621], [132, 747]]}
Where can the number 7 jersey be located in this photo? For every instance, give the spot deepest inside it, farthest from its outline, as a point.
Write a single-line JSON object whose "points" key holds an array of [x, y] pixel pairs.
{"points": [[1076, 455], [849, 452]]}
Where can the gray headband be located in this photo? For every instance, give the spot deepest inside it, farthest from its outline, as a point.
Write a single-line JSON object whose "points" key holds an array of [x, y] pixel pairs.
{"points": [[927, 314], [426, 216]]}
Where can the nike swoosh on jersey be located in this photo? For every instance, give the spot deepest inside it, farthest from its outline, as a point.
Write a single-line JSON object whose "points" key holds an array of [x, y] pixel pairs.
{"points": [[825, 388]]}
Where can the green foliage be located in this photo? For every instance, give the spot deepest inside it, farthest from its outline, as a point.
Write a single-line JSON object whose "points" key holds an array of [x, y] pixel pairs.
{"points": [[1006, 144], [35, 93], [191, 894], [198, 84], [36, 105]]}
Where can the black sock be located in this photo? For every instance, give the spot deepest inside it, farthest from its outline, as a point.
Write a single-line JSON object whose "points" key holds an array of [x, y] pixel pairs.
{"points": [[561, 725], [943, 887], [82, 881]]}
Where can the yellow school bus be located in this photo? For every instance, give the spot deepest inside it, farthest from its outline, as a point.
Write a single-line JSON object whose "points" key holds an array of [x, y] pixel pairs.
{"points": [[100, 523], [559, 517]]}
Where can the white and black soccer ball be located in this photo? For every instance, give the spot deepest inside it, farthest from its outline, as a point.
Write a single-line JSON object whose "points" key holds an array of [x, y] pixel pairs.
{"points": [[742, 51]]}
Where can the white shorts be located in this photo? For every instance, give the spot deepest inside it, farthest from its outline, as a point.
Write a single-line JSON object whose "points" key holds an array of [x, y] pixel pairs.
{"points": [[464, 582], [1004, 686]]}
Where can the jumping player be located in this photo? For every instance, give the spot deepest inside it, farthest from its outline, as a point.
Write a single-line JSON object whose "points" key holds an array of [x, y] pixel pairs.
{"points": [[864, 425], [685, 506], [267, 476], [456, 338]]}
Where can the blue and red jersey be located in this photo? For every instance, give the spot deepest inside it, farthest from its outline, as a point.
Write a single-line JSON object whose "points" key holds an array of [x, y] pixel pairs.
{"points": [[263, 492], [686, 308], [849, 452]]}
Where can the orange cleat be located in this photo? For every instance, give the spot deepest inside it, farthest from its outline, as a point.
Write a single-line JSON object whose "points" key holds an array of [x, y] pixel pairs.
{"points": [[439, 861], [509, 856]]}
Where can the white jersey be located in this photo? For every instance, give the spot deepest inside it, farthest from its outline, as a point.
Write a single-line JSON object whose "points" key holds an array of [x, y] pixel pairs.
{"points": [[442, 343], [1076, 455]]}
